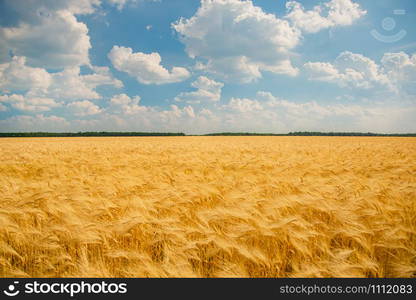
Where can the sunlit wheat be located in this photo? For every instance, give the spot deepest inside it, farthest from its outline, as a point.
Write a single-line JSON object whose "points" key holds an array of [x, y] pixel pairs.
{"points": [[208, 207]]}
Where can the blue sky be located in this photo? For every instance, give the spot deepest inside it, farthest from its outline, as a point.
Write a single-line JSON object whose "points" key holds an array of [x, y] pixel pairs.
{"points": [[208, 66]]}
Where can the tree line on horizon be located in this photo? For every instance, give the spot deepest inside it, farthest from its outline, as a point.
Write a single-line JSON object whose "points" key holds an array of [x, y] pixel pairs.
{"points": [[105, 133], [312, 133], [88, 133]]}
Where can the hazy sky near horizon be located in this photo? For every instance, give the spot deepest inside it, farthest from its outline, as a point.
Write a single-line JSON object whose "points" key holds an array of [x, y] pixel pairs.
{"points": [[208, 66]]}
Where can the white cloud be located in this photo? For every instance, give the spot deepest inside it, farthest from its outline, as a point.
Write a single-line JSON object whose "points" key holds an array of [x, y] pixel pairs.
{"points": [[29, 104], [400, 68], [34, 123], [268, 113], [311, 109], [55, 40], [308, 21], [348, 70], [48, 33], [189, 111], [16, 76], [119, 3], [127, 105], [68, 84], [206, 112], [173, 119], [31, 11], [146, 68], [344, 12], [208, 90], [396, 73], [101, 76], [238, 40], [262, 113], [243, 105], [123, 99], [84, 108], [336, 13], [397, 62]]}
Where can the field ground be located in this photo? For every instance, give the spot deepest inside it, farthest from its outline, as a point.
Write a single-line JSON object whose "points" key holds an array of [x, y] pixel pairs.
{"points": [[208, 207]]}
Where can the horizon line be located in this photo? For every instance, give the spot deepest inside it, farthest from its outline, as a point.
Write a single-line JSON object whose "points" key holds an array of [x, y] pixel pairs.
{"points": [[155, 133]]}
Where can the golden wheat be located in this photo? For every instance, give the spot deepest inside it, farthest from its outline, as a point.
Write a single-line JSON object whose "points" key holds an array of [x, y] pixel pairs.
{"points": [[208, 207]]}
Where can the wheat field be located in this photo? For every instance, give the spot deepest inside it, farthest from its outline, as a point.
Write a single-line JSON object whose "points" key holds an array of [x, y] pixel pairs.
{"points": [[208, 207]]}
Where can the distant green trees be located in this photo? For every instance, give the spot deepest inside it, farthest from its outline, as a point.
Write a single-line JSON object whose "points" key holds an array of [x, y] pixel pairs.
{"points": [[244, 133], [308, 133], [311, 133], [105, 133], [88, 133]]}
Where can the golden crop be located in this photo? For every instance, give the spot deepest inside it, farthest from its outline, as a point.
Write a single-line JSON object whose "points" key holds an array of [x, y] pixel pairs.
{"points": [[208, 207]]}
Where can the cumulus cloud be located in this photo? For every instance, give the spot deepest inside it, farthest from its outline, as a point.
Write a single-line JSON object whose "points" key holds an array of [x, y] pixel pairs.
{"points": [[127, 105], [121, 3], [101, 76], [268, 113], [31, 11], [232, 39], [208, 90], [326, 15], [84, 108], [38, 122], [54, 40], [70, 84], [118, 3], [238, 40], [308, 21], [34, 84], [344, 12], [310, 109], [48, 32], [243, 105], [270, 105], [146, 68], [172, 119], [206, 112], [400, 68], [79, 7], [29, 104], [16, 76], [35, 90], [396, 72], [263, 113], [348, 70], [189, 111]]}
